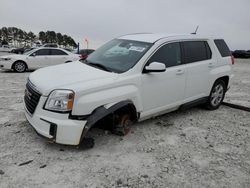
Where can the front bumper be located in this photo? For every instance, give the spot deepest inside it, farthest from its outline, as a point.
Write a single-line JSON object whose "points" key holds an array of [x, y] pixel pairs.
{"points": [[6, 65], [55, 126]]}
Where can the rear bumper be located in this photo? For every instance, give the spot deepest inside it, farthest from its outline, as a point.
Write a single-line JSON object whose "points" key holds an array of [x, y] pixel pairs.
{"points": [[54, 126]]}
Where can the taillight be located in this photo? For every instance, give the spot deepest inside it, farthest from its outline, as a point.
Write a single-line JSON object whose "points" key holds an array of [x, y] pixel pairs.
{"points": [[232, 59]]}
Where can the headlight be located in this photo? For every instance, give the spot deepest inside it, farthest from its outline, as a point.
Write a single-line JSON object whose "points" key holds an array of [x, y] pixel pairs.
{"points": [[5, 59], [60, 101]]}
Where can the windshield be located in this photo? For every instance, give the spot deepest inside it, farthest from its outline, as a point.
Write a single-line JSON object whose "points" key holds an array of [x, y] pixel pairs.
{"points": [[29, 51], [118, 55]]}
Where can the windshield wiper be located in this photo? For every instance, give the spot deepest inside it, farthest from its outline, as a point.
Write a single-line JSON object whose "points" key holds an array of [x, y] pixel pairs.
{"points": [[97, 65]]}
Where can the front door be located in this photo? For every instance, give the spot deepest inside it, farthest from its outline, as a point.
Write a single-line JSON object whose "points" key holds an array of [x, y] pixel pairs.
{"points": [[164, 90], [39, 58]]}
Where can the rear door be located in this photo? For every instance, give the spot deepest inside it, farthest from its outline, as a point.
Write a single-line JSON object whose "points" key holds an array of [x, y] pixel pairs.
{"points": [[200, 62], [58, 57]]}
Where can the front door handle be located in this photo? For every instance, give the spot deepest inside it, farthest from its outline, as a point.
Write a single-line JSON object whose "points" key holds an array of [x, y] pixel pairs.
{"points": [[179, 72], [210, 65]]}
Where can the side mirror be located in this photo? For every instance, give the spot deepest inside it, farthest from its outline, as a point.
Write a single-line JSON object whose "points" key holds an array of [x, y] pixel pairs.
{"points": [[33, 55], [155, 67]]}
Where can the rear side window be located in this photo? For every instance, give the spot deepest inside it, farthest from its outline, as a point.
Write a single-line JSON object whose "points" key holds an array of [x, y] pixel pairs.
{"points": [[57, 52], [169, 54], [222, 47], [195, 51]]}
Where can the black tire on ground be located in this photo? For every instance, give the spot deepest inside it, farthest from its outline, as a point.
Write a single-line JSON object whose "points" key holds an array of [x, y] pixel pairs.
{"points": [[87, 143], [217, 95], [19, 66], [122, 125]]}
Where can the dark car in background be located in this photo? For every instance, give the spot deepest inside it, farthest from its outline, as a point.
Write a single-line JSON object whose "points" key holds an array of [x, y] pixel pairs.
{"points": [[21, 50], [241, 54], [17, 50], [84, 53]]}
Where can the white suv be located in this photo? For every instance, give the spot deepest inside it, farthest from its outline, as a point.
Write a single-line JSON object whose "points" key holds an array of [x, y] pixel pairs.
{"points": [[129, 79]]}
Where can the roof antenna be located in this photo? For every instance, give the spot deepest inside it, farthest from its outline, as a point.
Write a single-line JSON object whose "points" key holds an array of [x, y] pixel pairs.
{"points": [[195, 30]]}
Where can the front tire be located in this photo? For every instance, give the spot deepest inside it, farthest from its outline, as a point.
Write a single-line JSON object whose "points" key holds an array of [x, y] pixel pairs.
{"points": [[19, 66], [217, 95]]}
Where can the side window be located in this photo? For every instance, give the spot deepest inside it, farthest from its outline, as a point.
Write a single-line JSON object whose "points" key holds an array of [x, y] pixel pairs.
{"points": [[42, 52], [169, 54], [195, 51], [222, 47], [57, 52], [209, 52]]}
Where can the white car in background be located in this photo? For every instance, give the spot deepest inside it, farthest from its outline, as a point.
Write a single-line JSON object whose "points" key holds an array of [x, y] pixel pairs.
{"points": [[5, 48], [37, 58]]}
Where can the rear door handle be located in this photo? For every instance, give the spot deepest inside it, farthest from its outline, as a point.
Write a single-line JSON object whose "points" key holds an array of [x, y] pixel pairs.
{"points": [[179, 72]]}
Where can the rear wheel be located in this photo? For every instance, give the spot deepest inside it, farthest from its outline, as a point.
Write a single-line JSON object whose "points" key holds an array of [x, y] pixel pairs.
{"points": [[19, 66], [217, 95]]}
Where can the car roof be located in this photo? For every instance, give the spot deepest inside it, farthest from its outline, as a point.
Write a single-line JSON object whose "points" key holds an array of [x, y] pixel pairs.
{"points": [[42, 47], [153, 37]]}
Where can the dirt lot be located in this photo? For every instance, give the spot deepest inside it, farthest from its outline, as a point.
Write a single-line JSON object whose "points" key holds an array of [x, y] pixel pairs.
{"points": [[192, 148]]}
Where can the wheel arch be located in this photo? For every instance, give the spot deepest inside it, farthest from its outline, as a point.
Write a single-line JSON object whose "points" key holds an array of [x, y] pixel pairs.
{"points": [[12, 66], [106, 110], [225, 79]]}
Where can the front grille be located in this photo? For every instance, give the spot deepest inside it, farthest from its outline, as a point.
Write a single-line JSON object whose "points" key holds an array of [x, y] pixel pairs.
{"points": [[31, 97]]}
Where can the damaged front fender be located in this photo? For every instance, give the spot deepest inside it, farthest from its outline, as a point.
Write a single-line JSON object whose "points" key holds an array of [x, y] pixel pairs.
{"points": [[103, 111]]}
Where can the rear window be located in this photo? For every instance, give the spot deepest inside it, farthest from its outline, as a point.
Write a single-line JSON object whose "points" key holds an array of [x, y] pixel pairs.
{"points": [[57, 52], [195, 51], [222, 47]]}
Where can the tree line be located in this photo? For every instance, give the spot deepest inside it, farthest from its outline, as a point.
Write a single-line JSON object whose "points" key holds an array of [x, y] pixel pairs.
{"points": [[19, 37]]}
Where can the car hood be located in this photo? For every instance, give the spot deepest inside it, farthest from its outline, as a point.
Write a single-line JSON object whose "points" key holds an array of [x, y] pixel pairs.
{"points": [[72, 75]]}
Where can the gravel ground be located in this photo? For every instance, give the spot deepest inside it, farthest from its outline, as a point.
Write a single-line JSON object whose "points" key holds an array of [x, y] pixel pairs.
{"points": [[239, 93], [192, 148]]}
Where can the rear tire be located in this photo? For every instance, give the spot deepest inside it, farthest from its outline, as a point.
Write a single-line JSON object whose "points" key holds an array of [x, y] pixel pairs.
{"points": [[19, 67], [217, 95]]}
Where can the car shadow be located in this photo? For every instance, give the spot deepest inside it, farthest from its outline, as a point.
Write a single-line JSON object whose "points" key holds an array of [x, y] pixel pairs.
{"points": [[11, 71]]}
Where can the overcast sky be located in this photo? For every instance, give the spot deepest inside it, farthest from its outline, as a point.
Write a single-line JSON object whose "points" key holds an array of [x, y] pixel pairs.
{"points": [[102, 20]]}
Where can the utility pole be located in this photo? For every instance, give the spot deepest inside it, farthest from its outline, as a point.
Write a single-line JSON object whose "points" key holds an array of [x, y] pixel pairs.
{"points": [[87, 42]]}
